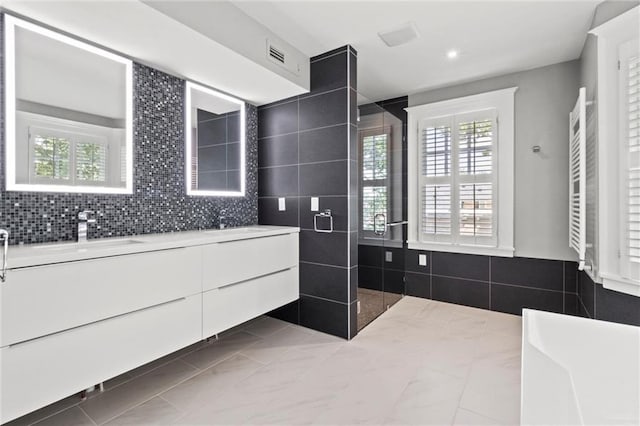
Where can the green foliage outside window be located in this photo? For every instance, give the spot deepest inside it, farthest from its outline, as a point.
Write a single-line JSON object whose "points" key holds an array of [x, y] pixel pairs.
{"points": [[51, 157], [91, 160]]}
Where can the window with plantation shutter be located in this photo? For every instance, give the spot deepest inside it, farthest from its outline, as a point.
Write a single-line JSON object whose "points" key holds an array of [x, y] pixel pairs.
{"points": [[374, 174], [461, 174], [64, 154], [457, 178], [617, 247]]}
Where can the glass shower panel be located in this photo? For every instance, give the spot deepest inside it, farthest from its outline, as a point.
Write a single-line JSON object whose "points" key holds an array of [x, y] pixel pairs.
{"points": [[380, 236]]}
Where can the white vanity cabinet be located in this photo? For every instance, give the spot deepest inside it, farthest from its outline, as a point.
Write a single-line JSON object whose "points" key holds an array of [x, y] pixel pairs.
{"points": [[69, 325], [244, 279], [234, 261], [41, 371], [45, 299]]}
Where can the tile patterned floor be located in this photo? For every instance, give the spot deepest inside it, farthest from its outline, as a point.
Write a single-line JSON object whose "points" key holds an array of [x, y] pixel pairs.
{"points": [[422, 362]]}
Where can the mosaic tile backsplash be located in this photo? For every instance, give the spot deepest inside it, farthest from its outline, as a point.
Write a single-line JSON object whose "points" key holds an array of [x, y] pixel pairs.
{"points": [[159, 202]]}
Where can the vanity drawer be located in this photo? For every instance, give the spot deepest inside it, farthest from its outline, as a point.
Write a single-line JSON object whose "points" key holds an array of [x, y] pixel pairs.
{"points": [[44, 370], [234, 261], [37, 301], [228, 306]]}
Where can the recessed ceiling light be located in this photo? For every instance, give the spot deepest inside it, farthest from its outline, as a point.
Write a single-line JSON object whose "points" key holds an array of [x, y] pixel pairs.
{"points": [[452, 54]]}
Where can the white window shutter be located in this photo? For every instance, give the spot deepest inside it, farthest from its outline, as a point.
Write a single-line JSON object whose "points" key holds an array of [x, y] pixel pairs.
{"points": [[578, 178], [631, 152], [436, 179], [476, 180]]}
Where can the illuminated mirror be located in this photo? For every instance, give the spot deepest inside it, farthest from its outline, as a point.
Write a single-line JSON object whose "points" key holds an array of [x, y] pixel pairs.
{"points": [[68, 113], [215, 143]]}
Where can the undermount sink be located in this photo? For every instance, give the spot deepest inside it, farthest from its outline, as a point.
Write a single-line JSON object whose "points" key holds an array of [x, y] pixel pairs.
{"points": [[90, 245], [244, 230]]}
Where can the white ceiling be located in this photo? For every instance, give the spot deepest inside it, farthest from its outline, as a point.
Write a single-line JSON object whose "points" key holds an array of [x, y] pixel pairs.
{"points": [[493, 37]]}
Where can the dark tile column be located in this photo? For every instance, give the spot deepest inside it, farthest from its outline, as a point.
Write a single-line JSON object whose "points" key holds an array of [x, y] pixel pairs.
{"points": [[306, 149]]}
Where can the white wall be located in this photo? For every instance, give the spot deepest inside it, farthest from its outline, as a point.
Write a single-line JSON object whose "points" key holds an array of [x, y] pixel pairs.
{"points": [[543, 101]]}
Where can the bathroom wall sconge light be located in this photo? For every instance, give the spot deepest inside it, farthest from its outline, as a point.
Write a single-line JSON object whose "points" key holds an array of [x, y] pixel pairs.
{"points": [[452, 54]]}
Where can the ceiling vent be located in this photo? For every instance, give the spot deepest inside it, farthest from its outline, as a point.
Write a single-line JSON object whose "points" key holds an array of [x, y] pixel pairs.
{"points": [[400, 35], [278, 56]]}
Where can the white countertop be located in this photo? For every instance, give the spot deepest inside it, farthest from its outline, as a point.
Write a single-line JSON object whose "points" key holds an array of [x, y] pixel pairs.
{"points": [[22, 256]]}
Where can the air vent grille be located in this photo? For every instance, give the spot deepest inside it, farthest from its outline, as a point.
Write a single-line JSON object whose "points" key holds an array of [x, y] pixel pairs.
{"points": [[279, 56], [276, 54]]}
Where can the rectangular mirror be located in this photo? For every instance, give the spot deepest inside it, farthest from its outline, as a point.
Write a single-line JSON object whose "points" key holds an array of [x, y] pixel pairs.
{"points": [[215, 143], [68, 113]]}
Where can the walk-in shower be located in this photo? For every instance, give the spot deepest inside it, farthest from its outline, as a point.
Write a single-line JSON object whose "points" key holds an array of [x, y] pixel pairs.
{"points": [[381, 206]]}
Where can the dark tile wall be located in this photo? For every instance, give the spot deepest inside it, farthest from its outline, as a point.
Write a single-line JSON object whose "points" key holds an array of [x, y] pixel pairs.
{"points": [[487, 282], [159, 202], [595, 301], [304, 151], [376, 273]]}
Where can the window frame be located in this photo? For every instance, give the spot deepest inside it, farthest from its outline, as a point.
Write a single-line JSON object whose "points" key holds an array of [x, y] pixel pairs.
{"points": [[376, 131], [502, 101], [456, 179], [611, 36]]}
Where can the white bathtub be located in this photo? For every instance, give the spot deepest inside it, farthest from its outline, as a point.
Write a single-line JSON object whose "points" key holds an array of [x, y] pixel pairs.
{"points": [[578, 371]]}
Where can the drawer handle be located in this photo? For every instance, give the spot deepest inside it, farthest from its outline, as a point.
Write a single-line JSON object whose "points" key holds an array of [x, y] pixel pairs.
{"points": [[4, 234], [257, 237], [252, 278]]}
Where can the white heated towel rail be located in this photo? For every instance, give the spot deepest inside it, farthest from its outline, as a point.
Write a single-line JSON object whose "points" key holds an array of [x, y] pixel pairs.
{"points": [[578, 178]]}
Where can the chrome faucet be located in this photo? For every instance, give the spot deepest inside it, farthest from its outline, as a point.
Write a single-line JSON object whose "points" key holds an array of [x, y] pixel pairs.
{"points": [[83, 220], [222, 220]]}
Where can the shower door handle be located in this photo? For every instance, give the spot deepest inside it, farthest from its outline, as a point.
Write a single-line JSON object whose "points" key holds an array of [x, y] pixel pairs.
{"points": [[375, 224], [401, 222]]}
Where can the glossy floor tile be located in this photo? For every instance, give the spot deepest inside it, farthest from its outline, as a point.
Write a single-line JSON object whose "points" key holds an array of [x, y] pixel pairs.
{"points": [[422, 362]]}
